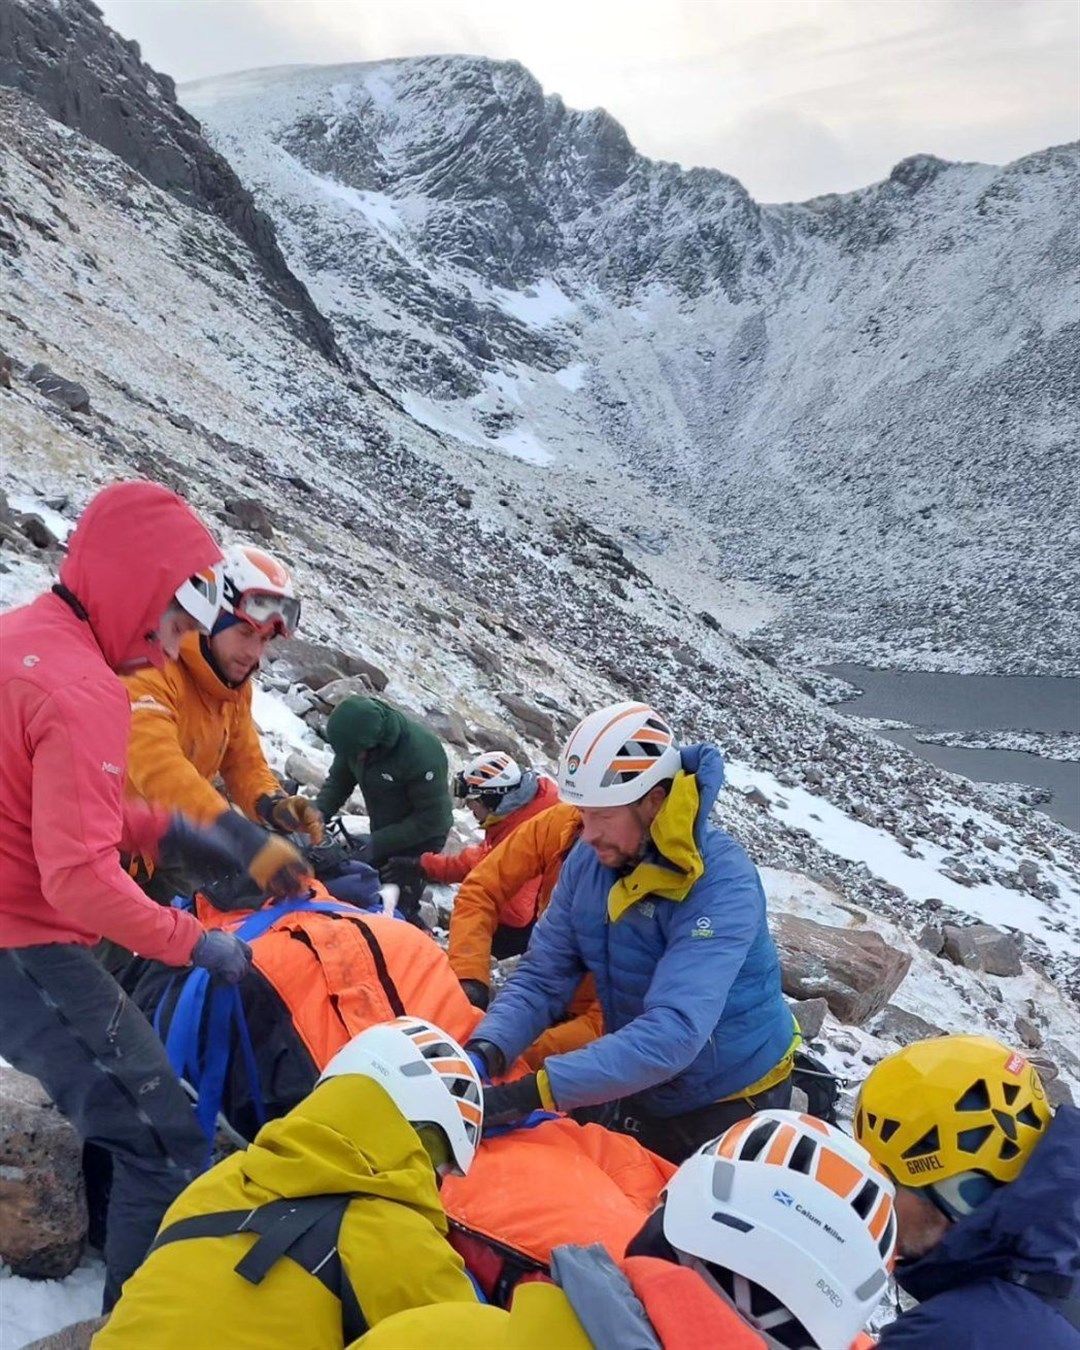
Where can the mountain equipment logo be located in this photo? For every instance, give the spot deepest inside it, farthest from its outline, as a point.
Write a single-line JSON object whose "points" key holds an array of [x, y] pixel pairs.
{"points": [[703, 927], [787, 1200], [573, 764]]}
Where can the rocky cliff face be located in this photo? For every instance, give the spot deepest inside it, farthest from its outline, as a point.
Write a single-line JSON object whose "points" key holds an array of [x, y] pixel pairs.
{"points": [[869, 397], [89, 78]]}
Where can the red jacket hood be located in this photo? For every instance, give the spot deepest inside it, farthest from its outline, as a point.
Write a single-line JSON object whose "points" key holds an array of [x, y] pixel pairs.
{"points": [[133, 546]]}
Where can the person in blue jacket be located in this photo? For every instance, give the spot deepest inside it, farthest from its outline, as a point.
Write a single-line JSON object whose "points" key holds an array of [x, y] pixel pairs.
{"points": [[668, 914], [987, 1197]]}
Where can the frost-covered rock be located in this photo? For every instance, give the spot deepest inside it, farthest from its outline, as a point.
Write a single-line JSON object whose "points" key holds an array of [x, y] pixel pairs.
{"points": [[853, 970], [981, 946], [43, 1213]]}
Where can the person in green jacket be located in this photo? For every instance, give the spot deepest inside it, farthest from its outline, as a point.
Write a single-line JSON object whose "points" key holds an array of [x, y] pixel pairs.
{"points": [[400, 767]]}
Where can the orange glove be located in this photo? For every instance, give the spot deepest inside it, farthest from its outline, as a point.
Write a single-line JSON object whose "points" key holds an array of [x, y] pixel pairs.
{"points": [[292, 815]]}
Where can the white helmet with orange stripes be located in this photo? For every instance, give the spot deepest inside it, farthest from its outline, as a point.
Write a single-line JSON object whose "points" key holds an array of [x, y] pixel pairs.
{"points": [[493, 773], [616, 755], [428, 1076], [794, 1221]]}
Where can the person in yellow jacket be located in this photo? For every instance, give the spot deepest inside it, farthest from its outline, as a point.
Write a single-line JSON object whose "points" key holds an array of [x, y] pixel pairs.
{"points": [[192, 722], [329, 1222]]}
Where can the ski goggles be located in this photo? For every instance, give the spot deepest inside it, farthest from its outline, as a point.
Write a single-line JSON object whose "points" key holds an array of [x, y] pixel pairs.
{"points": [[278, 615]]}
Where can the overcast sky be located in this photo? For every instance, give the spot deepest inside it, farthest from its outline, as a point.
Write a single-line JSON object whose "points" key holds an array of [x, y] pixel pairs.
{"points": [[793, 97]]}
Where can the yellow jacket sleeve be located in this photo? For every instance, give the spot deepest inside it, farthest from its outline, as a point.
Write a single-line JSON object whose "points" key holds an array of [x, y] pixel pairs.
{"points": [[243, 767], [158, 769]]}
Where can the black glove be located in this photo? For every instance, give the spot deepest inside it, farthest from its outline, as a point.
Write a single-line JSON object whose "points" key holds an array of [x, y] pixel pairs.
{"points": [[225, 956], [404, 872], [491, 1055], [235, 844], [477, 992], [511, 1101]]}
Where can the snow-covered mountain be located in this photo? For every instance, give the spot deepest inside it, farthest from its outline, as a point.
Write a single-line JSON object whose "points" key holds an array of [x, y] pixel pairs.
{"points": [[868, 400], [496, 592]]}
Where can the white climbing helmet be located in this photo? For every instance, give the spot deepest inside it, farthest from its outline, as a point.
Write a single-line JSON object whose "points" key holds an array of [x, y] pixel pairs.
{"points": [[792, 1218], [616, 755], [493, 773], [258, 589], [201, 596], [428, 1076]]}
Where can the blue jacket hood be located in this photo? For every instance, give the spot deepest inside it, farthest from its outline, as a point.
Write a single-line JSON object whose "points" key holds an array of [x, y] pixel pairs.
{"points": [[707, 763], [1030, 1226]]}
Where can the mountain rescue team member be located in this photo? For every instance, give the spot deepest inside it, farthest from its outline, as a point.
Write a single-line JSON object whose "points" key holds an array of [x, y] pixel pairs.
{"points": [[779, 1234], [329, 1221], [501, 796], [192, 720], [987, 1198], [139, 574], [668, 913], [400, 768]]}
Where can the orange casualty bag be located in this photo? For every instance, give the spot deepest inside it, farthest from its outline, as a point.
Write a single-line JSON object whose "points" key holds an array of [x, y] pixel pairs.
{"points": [[531, 1190]]}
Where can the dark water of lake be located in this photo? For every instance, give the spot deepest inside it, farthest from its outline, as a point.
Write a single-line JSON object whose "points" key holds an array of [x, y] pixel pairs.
{"points": [[979, 703]]}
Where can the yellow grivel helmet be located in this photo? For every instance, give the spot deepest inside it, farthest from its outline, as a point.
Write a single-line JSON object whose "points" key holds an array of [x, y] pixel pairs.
{"points": [[951, 1106]]}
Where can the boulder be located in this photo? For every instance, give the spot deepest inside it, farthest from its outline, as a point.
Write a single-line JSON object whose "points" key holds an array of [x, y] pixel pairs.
{"points": [[317, 665], [330, 695], [487, 738], [303, 771], [75, 1337], [981, 946], [66, 392], [5, 370], [931, 938], [37, 532], [533, 721], [448, 726], [483, 658], [43, 1215], [810, 1015], [903, 1027], [250, 514], [1028, 1032], [854, 970]]}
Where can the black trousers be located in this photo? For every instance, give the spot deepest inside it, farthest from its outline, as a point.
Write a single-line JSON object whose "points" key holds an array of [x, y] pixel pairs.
{"points": [[676, 1137], [65, 1021], [508, 941]]}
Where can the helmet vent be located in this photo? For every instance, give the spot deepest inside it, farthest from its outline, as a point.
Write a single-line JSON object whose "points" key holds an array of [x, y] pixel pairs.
{"points": [[863, 1203], [1011, 1091], [1026, 1116], [888, 1129], [733, 1221], [970, 1141], [802, 1155], [976, 1098], [755, 1143], [1008, 1150], [888, 1238], [929, 1143]]}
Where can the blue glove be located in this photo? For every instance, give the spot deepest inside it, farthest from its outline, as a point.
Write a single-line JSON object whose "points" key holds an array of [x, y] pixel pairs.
{"points": [[225, 956]]}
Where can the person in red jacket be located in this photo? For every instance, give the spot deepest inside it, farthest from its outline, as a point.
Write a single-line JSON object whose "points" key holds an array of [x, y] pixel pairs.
{"points": [[501, 796], [140, 572]]}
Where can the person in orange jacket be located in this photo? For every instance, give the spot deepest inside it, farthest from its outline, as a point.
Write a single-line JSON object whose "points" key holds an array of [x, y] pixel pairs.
{"points": [[192, 721], [533, 853], [501, 797], [778, 1235]]}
